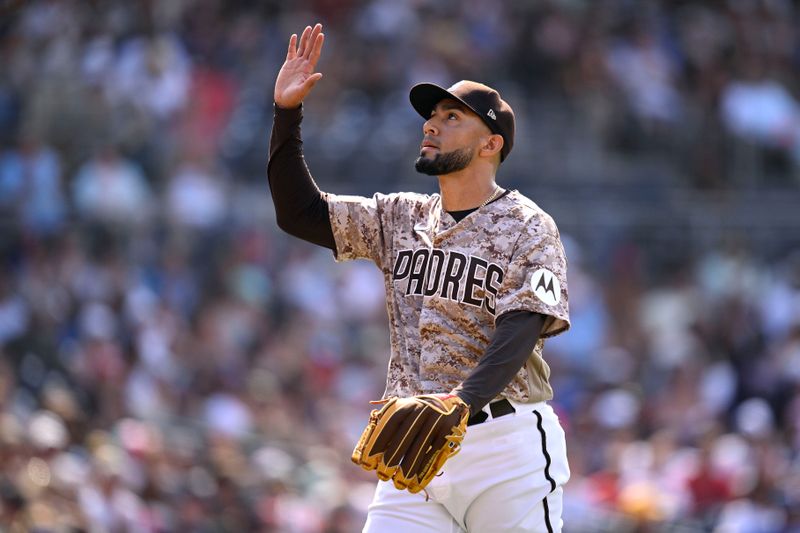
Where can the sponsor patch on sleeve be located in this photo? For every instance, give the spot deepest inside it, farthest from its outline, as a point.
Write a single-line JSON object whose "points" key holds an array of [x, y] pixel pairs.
{"points": [[546, 286]]}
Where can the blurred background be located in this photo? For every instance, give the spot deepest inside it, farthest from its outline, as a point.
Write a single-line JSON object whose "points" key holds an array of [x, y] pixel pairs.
{"points": [[170, 361]]}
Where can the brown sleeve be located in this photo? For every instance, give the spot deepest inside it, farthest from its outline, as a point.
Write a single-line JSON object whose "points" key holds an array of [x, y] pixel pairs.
{"points": [[300, 206]]}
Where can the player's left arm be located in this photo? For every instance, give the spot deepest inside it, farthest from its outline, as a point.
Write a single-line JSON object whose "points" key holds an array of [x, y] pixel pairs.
{"points": [[514, 338], [531, 304]]}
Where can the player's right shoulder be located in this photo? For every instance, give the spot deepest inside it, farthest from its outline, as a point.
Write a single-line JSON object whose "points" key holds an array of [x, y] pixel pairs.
{"points": [[407, 201], [396, 202], [406, 197]]}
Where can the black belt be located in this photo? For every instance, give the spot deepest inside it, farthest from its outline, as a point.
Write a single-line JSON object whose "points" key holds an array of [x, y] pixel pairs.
{"points": [[499, 408]]}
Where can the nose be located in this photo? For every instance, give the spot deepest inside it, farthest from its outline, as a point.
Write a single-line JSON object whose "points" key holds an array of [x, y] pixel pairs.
{"points": [[428, 128]]}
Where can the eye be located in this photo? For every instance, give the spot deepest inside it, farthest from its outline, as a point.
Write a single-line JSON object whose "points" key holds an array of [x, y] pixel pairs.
{"points": [[452, 116]]}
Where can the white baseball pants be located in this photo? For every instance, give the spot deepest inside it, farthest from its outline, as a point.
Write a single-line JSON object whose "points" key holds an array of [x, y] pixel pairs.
{"points": [[508, 477]]}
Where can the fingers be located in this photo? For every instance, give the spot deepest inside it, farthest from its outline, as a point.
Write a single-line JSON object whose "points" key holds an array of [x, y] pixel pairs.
{"points": [[312, 41], [304, 41], [316, 49], [310, 47]]}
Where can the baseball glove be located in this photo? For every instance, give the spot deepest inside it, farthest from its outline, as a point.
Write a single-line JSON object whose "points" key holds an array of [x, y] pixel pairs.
{"points": [[409, 439]]}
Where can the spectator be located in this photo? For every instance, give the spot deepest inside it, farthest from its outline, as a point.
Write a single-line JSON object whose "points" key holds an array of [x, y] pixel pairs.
{"points": [[153, 72], [196, 195], [109, 188], [31, 185], [760, 109], [647, 74]]}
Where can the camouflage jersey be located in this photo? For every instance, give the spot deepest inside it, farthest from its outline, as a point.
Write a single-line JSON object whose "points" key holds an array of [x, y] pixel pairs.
{"points": [[447, 281]]}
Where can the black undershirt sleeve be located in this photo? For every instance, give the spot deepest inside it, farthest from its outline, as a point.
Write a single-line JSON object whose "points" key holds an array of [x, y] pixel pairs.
{"points": [[514, 338], [300, 208]]}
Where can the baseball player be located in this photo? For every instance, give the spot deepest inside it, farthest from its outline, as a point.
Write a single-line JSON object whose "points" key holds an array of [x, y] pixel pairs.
{"points": [[475, 281]]}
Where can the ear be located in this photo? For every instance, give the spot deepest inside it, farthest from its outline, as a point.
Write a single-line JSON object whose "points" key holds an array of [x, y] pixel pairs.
{"points": [[492, 145]]}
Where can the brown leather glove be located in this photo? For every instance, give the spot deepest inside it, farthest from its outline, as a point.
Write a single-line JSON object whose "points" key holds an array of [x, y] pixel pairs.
{"points": [[409, 439]]}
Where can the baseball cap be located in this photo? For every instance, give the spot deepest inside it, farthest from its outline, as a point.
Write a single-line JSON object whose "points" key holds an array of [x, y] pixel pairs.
{"points": [[479, 98]]}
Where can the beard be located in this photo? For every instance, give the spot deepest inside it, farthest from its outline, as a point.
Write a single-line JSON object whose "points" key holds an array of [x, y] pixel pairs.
{"points": [[443, 164]]}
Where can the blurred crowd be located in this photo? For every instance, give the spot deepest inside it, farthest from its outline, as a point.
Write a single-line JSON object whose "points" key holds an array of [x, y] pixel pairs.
{"points": [[169, 361], [706, 90]]}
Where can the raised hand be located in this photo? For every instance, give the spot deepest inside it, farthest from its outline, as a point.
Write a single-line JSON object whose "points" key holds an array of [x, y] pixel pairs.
{"points": [[297, 77]]}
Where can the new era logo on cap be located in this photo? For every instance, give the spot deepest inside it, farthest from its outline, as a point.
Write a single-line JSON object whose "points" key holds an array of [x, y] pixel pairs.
{"points": [[491, 114]]}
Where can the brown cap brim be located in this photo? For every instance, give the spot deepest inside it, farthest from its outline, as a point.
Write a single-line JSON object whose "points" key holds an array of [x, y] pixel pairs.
{"points": [[425, 96]]}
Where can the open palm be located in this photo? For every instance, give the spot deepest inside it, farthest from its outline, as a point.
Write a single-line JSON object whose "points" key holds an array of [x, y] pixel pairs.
{"points": [[297, 77]]}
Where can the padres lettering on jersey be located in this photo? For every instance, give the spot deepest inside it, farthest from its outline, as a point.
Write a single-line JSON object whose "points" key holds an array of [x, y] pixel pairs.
{"points": [[450, 275], [447, 281]]}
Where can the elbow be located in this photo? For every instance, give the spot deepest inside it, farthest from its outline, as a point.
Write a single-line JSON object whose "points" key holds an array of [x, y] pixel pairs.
{"points": [[286, 223], [285, 220], [292, 224]]}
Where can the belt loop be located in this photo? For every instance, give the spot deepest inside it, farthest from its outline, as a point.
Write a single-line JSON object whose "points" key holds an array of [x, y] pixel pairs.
{"points": [[502, 408], [493, 410]]}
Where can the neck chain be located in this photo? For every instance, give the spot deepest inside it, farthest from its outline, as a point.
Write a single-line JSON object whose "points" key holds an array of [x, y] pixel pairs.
{"points": [[494, 194]]}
